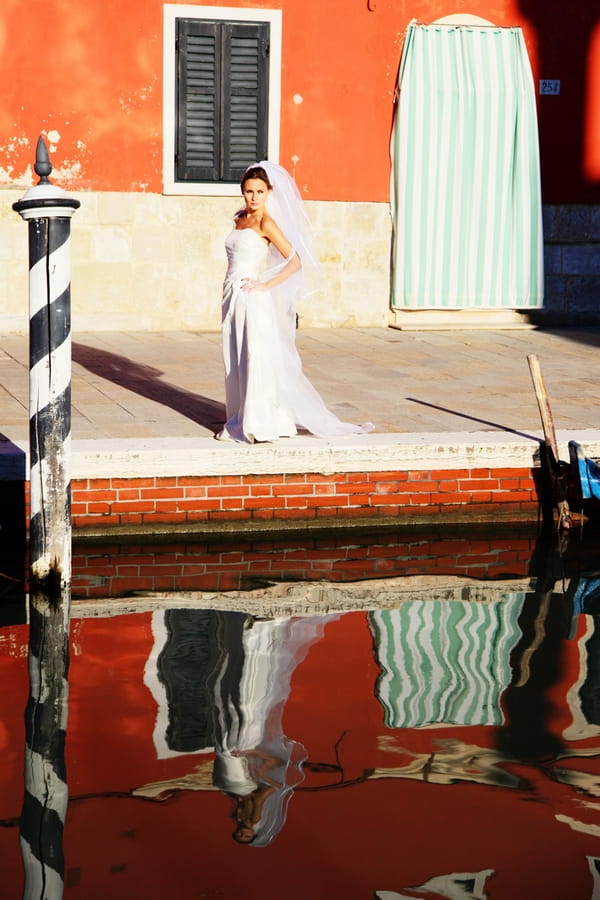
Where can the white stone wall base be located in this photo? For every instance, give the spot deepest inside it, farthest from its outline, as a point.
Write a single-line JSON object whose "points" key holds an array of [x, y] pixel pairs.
{"points": [[176, 457], [465, 319]]}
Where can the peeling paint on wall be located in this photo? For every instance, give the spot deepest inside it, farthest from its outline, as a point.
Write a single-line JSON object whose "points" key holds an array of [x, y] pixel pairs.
{"points": [[53, 138], [11, 154], [67, 171], [136, 100], [68, 174]]}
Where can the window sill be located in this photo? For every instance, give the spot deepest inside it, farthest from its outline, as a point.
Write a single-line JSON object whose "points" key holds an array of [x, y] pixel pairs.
{"points": [[201, 189]]}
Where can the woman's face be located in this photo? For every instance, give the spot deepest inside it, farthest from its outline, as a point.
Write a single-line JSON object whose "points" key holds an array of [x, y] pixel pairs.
{"points": [[255, 193]]}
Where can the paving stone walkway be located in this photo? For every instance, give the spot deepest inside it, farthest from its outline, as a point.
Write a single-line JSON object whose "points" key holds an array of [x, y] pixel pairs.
{"points": [[170, 385]]}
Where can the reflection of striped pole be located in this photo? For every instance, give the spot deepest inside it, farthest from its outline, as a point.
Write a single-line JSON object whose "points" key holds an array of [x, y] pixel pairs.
{"points": [[48, 211], [594, 864]]}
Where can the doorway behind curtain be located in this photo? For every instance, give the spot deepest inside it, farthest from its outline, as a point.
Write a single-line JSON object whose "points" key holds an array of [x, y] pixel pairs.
{"points": [[466, 194]]}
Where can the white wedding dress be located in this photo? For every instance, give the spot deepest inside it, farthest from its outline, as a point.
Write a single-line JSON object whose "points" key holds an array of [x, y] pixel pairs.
{"points": [[267, 394]]}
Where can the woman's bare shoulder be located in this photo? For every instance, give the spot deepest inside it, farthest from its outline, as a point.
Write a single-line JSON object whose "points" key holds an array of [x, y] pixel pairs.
{"points": [[269, 226]]}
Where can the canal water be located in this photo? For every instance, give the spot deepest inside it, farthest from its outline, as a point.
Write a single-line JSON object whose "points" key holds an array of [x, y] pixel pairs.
{"points": [[390, 715]]}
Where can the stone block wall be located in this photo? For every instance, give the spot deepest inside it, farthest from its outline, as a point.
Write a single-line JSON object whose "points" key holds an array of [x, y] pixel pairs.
{"points": [[572, 265], [148, 262]]}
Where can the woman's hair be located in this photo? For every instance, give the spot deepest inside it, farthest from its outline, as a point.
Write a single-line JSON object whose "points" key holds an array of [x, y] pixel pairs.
{"points": [[256, 172]]}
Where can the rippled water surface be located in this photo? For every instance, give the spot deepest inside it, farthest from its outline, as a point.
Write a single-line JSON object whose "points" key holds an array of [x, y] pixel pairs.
{"points": [[391, 715]]}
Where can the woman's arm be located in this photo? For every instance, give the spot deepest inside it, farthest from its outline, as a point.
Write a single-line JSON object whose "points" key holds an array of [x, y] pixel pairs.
{"points": [[271, 231]]}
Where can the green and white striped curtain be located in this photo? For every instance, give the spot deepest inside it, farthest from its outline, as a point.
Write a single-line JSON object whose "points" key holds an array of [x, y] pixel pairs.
{"points": [[445, 662], [466, 197]]}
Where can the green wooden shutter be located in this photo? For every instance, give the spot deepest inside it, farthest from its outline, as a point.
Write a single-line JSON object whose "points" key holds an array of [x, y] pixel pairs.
{"points": [[245, 74], [222, 94], [198, 100]]}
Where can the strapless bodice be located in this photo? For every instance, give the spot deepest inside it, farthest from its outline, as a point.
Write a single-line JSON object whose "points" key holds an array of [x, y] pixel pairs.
{"points": [[246, 253]]}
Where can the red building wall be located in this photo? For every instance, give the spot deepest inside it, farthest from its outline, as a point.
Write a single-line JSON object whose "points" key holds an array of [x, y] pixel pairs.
{"points": [[90, 76]]}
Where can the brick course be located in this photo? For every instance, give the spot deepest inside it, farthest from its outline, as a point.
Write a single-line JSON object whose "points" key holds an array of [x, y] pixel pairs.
{"points": [[478, 495]]}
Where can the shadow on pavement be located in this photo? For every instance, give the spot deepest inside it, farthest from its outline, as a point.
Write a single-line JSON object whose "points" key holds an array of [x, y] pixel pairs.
{"points": [[145, 381], [454, 412]]}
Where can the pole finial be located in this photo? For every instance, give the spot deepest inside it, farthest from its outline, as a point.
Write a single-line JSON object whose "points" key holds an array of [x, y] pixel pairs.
{"points": [[45, 200], [43, 166]]}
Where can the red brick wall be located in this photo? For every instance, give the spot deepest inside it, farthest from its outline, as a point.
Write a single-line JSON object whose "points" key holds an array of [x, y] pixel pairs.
{"points": [[430, 495]]}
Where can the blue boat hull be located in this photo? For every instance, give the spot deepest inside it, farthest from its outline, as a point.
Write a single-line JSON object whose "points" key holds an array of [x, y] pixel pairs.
{"points": [[585, 471]]}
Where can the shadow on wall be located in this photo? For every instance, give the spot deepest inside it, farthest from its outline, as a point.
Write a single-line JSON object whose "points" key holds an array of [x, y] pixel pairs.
{"points": [[564, 52], [145, 381]]}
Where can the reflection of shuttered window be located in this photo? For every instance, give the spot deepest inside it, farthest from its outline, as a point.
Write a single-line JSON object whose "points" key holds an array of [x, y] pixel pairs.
{"points": [[222, 84]]}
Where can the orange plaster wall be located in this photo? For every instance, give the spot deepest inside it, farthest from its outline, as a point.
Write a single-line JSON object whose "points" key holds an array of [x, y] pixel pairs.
{"points": [[90, 73], [90, 76]]}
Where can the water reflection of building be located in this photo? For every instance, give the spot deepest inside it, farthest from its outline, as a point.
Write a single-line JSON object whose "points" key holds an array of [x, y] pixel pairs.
{"points": [[443, 791], [445, 662], [586, 705]]}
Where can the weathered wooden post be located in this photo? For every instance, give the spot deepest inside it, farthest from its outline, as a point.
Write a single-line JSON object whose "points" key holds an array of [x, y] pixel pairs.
{"points": [[556, 476], [48, 211]]}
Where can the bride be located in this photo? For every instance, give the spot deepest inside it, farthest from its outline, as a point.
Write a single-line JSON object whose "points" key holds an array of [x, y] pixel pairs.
{"points": [[270, 260]]}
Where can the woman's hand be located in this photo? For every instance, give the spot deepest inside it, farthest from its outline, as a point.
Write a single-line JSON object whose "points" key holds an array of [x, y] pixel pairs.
{"points": [[252, 284], [292, 265]]}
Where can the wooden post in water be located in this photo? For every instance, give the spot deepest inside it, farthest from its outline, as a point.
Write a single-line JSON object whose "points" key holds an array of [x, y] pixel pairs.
{"points": [[557, 479], [48, 211]]}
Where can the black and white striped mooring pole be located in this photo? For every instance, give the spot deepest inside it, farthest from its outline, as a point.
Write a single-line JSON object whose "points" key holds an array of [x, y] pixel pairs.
{"points": [[48, 211]]}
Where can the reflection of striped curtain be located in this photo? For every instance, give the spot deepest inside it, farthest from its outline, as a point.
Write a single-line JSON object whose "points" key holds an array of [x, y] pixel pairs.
{"points": [[466, 196], [445, 662]]}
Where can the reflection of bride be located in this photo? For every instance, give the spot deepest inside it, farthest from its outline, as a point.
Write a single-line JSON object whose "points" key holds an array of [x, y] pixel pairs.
{"points": [[256, 764], [270, 261]]}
